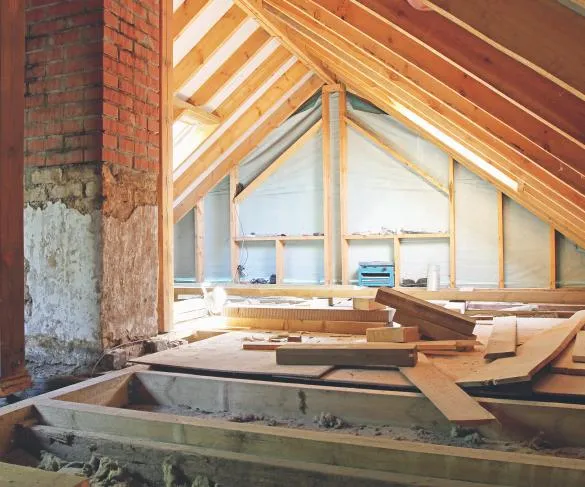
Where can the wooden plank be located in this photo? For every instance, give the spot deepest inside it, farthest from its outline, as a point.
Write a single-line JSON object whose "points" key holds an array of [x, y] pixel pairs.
{"points": [[393, 334], [343, 167], [207, 46], [564, 363], [407, 304], [530, 357], [452, 226], [12, 475], [234, 226], [378, 140], [360, 354], [293, 313], [322, 326], [165, 174], [274, 166], [501, 257], [223, 353], [199, 242], [560, 385], [579, 348], [502, 341], [553, 258], [279, 250], [222, 76], [505, 468], [454, 345], [366, 304], [326, 178], [12, 85], [185, 15], [452, 401]]}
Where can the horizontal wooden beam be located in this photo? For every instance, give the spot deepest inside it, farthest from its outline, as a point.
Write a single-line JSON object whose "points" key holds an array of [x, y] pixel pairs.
{"points": [[272, 168], [199, 115], [370, 135]]}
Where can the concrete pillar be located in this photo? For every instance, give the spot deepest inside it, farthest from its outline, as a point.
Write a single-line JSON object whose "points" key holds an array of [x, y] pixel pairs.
{"points": [[92, 160]]}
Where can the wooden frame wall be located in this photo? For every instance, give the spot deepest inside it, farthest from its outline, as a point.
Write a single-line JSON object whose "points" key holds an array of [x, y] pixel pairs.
{"points": [[13, 376]]}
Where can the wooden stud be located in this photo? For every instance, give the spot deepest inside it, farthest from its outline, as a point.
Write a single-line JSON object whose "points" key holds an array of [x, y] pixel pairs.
{"points": [[452, 227], [501, 258], [12, 84], [343, 186], [272, 168], [369, 134], [553, 258], [397, 278], [279, 247], [208, 46], [234, 219], [199, 242], [165, 176], [326, 164]]}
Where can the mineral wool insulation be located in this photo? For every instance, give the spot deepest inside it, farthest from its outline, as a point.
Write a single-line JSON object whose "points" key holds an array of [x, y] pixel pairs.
{"points": [[382, 195]]}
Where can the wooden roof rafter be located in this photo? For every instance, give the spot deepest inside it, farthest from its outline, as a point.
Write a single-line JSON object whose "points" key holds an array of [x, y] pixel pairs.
{"points": [[186, 14], [239, 149]]}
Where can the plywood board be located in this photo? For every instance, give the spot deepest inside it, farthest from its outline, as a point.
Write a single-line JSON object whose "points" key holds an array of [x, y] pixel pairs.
{"points": [[502, 341], [318, 314], [579, 348], [401, 334], [224, 353], [361, 354], [451, 400], [564, 363], [433, 313], [531, 357]]}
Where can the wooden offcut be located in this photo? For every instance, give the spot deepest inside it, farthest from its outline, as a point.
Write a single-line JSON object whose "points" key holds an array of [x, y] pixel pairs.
{"points": [[412, 307], [363, 354], [564, 363], [401, 334], [428, 329], [530, 357], [579, 348], [451, 400], [366, 304], [317, 314], [502, 341]]}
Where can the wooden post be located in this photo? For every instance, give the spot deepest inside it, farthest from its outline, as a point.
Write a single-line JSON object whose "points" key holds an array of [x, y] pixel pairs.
{"points": [[452, 242], [327, 217], [199, 242], [501, 273], [396, 261], [279, 261], [343, 187], [12, 61], [234, 245], [165, 182], [553, 258]]}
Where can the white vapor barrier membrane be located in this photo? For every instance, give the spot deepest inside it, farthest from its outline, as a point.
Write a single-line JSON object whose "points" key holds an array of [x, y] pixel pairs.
{"points": [[476, 224], [303, 262], [526, 247], [416, 256], [184, 240], [216, 213], [570, 263]]}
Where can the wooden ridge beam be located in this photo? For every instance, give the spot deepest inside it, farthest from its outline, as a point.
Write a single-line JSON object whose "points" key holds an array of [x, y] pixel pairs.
{"points": [[289, 79], [230, 67], [274, 166], [185, 15], [280, 114], [369, 134], [255, 9], [199, 114], [207, 46], [516, 28]]}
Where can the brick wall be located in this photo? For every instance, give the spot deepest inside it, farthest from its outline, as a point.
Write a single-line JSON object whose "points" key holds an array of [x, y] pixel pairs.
{"points": [[92, 87]]}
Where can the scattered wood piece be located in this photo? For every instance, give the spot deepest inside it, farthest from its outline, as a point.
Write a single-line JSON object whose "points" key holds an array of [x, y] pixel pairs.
{"points": [[531, 357], [564, 363], [453, 345], [295, 338], [400, 334], [428, 329], [359, 354], [348, 327], [317, 314], [560, 385], [579, 348], [502, 341], [452, 401], [367, 304], [418, 308], [265, 346]]}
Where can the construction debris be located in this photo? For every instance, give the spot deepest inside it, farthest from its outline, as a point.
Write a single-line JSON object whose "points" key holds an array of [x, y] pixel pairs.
{"points": [[397, 334], [502, 341]]}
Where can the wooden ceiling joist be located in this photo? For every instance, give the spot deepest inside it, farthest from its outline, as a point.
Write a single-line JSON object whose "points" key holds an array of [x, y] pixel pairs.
{"points": [[272, 168], [208, 45], [370, 135], [200, 115], [186, 14], [217, 173], [556, 52], [254, 8], [230, 67]]}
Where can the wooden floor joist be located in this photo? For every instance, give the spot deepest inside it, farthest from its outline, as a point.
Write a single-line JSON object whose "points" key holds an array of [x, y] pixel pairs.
{"points": [[502, 341], [530, 357]]}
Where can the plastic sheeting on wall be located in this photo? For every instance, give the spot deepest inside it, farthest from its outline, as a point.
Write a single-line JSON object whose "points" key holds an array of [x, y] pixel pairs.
{"points": [[570, 263]]}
